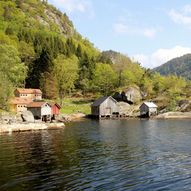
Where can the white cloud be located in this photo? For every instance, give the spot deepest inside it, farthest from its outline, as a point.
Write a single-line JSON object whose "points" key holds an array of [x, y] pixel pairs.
{"points": [[187, 9], [121, 28], [72, 6], [161, 56], [182, 16], [149, 32]]}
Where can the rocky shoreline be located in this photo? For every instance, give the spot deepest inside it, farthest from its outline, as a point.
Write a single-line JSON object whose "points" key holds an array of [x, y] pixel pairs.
{"points": [[14, 123], [174, 115], [10, 123], [18, 127], [71, 117], [166, 115]]}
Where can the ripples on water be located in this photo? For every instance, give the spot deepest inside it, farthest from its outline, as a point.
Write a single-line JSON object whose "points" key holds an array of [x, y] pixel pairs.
{"points": [[99, 155]]}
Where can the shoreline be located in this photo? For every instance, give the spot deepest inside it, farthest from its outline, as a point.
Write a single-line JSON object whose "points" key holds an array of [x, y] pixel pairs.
{"points": [[21, 127], [11, 123], [28, 126], [174, 115], [166, 115]]}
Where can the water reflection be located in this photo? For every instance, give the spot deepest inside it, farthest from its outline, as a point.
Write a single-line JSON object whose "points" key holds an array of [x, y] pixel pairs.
{"points": [[99, 155]]}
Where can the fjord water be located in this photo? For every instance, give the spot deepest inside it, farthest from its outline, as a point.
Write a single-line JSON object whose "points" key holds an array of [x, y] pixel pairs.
{"points": [[99, 155]]}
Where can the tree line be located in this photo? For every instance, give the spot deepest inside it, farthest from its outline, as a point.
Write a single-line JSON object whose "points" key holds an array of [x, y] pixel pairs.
{"points": [[34, 55]]}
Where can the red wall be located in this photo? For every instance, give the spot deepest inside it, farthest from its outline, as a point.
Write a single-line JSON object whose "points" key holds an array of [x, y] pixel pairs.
{"points": [[55, 110]]}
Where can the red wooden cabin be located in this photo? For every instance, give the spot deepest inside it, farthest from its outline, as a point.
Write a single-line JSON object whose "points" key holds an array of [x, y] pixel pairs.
{"points": [[55, 109]]}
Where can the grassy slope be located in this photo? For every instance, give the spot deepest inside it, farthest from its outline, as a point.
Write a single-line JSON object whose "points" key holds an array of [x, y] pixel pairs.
{"points": [[75, 105]]}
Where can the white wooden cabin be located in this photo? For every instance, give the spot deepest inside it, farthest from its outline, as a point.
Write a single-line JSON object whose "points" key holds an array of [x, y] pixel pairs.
{"points": [[40, 110], [104, 106], [148, 109]]}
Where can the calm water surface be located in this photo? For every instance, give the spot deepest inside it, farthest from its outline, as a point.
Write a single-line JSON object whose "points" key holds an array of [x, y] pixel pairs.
{"points": [[148, 155]]}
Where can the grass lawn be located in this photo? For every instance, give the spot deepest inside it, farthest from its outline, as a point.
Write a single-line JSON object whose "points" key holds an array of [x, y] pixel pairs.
{"points": [[75, 105]]}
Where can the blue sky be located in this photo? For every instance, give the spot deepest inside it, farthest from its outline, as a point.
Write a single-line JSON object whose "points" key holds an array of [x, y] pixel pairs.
{"points": [[150, 31]]}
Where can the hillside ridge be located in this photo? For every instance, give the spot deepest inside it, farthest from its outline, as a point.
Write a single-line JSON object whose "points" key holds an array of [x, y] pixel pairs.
{"points": [[180, 66]]}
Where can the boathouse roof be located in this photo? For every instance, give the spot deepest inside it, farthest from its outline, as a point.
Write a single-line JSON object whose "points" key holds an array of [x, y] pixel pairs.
{"points": [[150, 104], [99, 101], [37, 104]]}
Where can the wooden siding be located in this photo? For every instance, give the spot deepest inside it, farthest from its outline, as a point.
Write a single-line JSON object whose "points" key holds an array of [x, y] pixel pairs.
{"points": [[107, 107], [95, 110], [55, 109], [46, 110], [35, 96], [145, 110], [39, 112], [18, 108]]}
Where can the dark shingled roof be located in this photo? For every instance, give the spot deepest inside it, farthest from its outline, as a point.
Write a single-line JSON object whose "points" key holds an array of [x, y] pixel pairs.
{"points": [[99, 101]]}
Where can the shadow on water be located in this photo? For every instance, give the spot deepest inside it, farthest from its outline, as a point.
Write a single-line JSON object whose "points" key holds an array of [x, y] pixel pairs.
{"points": [[99, 155]]}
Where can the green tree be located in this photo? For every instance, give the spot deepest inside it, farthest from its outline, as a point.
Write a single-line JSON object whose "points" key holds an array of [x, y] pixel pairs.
{"points": [[119, 66], [48, 85], [11, 66], [104, 78], [6, 90], [174, 84], [79, 51], [27, 53], [128, 72], [158, 83], [12, 72], [66, 73], [41, 65]]}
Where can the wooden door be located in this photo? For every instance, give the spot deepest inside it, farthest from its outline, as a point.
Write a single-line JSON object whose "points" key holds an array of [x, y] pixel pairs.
{"points": [[108, 110]]}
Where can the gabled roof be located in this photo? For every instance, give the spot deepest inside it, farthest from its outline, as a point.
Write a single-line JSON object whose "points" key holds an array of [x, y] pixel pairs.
{"points": [[20, 100], [37, 104], [99, 101], [150, 104], [28, 91], [57, 105]]}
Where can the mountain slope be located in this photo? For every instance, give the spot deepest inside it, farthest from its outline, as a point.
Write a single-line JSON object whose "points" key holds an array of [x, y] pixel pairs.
{"points": [[115, 56], [180, 66], [45, 41], [34, 14]]}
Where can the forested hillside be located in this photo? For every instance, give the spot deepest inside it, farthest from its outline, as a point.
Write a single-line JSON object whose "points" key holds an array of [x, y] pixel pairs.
{"points": [[40, 48], [180, 66]]}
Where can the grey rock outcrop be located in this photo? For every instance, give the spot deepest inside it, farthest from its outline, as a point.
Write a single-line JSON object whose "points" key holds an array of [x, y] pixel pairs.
{"points": [[132, 95], [6, 118], [128, 110], [27, 116]]}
